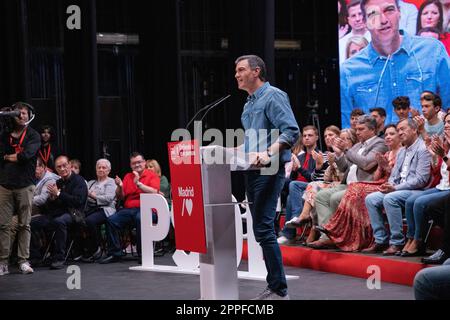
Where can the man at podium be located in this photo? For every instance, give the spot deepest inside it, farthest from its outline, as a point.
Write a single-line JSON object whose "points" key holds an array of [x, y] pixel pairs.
{"points": [[270, 131]]}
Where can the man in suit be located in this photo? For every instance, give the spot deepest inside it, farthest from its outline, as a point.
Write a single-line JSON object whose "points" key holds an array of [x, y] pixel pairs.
{"points": [[410, 174], [358, 163]]}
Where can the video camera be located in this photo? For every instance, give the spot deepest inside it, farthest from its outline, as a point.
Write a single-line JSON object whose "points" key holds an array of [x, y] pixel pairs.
{"points": [[7, 115]]}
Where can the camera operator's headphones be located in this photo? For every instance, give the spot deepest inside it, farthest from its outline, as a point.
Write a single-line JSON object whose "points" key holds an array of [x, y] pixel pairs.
{"points": [[31, 112]]}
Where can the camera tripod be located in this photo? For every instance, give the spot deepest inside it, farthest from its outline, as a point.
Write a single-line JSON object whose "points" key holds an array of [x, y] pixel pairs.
{"points": [[313, 119]]}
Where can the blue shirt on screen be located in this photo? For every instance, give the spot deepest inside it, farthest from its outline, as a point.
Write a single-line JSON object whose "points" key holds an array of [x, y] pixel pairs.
{"points": [[370, 80]]}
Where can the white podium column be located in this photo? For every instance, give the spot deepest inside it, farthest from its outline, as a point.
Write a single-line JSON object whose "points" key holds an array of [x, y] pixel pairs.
{"points": [[218, 272]]}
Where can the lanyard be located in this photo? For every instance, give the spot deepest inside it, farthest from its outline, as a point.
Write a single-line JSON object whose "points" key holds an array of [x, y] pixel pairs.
{"points": [[46, 154], [18, 147]]}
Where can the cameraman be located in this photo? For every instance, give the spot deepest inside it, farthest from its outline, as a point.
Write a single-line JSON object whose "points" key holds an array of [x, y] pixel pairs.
{"points": [[18, 155]]}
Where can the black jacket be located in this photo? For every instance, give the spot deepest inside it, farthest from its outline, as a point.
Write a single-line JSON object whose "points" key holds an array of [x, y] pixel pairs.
{"points": [[20, 174], [73, 195]]}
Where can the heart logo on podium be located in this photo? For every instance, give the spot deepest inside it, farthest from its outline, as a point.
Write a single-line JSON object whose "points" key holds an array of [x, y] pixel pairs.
{"points": [[189, 205]]}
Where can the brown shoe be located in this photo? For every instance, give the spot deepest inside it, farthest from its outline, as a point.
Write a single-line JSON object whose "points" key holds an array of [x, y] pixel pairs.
{"points": [[322, 244], [375, 248], [392, 250]]}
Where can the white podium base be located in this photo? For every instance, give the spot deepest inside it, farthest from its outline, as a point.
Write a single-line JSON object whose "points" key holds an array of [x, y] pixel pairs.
{"points": [[172, 269]]}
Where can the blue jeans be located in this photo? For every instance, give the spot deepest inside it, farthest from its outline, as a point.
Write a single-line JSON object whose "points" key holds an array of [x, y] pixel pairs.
{"points": [[262, 193], [415, 210], [117, 222], [393, 203], [294, 205], [433, 283]]}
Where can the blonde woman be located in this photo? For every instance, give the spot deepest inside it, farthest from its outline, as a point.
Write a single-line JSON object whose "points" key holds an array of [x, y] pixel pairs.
{"points": [[354, 45]]}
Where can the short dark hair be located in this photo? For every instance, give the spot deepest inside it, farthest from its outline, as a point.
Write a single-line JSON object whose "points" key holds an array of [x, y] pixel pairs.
{"points": [[353, 3], [379, 110], [311, 128], [431, 96], [363, 4], [135, 154], [401, 101], [390, 125], [356, 113], [254, 62]]}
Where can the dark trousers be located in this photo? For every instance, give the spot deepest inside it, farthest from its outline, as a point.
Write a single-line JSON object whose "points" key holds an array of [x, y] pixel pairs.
{"points": [[439, 211], [93, 237], [262, 193], [116, 223], [59, 225]]}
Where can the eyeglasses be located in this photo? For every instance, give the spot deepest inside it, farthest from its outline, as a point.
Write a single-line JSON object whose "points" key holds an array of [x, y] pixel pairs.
{"points": [[134, 163]]}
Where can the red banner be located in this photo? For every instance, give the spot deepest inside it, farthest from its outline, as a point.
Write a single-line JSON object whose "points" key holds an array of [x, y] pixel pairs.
{"points": [[187, 196]]}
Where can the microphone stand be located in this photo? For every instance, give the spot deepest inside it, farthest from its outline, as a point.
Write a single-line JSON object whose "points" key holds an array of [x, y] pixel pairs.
{"points": [[211, 105]]}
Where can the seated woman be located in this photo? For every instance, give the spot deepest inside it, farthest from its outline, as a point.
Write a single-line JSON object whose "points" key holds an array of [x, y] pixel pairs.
{"points": [[332, 178], [417, 204], [101, 205], [349, 228], [164, 190]]}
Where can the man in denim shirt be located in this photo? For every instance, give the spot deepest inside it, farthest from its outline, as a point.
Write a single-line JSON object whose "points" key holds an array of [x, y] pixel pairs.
{"points": [[266, 112], [393, 64]]}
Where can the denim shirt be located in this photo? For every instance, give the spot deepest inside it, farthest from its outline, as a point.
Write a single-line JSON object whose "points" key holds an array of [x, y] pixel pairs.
{"points": [[369, 80], [266, 109]]}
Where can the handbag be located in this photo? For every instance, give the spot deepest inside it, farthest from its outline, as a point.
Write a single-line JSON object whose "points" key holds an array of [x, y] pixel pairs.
{"points": [[78, 216]]}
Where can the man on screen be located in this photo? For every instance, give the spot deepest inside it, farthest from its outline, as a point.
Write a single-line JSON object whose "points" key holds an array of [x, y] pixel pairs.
{"points": [[394, 64]]}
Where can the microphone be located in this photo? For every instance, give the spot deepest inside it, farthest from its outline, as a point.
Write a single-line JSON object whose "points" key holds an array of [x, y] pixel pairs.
{"points": [[14, 113], [214, 105], [207, 107]]}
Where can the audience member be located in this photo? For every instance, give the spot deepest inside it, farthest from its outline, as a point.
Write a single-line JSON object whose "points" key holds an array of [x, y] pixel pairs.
{"points": [[359, 163], [354, 115], [153, 165], [410, 174], [140, 180], [332, 178], [408, 17], [379, 114], [101, 204], [354, 45], [48, 151], [302, 173], [430, 123], [64, 207], [76, 166], [417, 204]]}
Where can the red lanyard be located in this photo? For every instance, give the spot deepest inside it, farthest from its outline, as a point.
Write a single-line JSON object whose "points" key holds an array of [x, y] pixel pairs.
{"points": [[46, 154], [18, 147]]}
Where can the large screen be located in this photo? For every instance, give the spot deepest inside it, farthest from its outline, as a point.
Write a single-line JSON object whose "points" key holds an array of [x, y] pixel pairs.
{"points": [[390, 49]]}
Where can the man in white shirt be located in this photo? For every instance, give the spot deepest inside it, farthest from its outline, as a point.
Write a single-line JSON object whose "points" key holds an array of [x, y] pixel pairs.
{"points": [[356, 21]]}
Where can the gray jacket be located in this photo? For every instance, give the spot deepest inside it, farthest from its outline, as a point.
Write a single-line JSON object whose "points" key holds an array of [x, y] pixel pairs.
{"points": [[105, 194], [41, 191], [366, 162], [418, 169]]}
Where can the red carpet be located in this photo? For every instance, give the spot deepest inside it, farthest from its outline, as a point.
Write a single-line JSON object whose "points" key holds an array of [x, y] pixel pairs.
{"points": [[393, 269]]}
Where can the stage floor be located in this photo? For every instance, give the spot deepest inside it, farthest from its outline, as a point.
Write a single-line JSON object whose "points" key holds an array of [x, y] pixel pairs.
{"points": [[115, 281]]}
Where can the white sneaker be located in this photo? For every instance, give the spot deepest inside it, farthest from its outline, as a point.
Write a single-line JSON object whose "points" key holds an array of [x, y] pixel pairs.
{"points": [[25, 268], [284, 240], [3, 269], [268, 294]]}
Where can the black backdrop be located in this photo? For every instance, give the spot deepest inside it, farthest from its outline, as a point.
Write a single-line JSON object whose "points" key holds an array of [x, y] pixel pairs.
{"points": [[111, 99]]}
